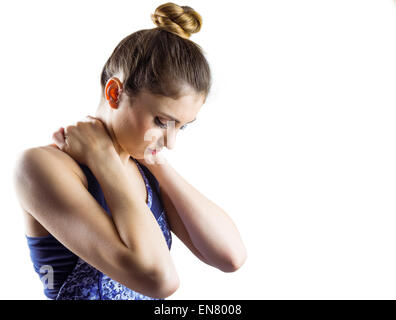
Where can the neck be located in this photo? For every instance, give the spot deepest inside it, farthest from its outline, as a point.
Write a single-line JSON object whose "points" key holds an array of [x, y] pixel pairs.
{"points": [[104, 116]]}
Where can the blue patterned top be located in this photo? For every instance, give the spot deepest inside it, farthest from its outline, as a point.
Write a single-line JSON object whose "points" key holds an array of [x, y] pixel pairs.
{"points": [[75, 279]]}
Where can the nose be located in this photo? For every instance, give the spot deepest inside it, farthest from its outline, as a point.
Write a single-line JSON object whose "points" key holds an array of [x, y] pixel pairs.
{"points": [[170, 140], [169, 143]]}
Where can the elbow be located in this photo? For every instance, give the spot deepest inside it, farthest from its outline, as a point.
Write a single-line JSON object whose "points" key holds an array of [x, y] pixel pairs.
{"points": [[165, 284], [152, 282], [235, 262]]}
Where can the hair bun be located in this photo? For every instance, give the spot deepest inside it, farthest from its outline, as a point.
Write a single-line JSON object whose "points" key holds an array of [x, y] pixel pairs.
{"points": [[181, 20]]}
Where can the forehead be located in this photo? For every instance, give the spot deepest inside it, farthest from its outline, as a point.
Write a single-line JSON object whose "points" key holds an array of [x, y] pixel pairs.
{"points": [[186, 105]]}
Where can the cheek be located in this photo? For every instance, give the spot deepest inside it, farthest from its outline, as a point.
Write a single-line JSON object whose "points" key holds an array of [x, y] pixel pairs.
{"points": [[150, 134], [141, 133], [138, 124]]}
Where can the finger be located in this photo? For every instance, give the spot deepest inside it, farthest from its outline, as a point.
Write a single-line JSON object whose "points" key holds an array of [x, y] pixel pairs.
{"points": [[90, 118], [58, 139]]}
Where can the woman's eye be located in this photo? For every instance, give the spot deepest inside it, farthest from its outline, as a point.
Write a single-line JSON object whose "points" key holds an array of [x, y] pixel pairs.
{"points": [[163, 125], [159, 123]]}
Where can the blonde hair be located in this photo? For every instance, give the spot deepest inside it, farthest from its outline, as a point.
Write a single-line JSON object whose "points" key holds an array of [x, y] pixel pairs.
{"points": [[181, 20]]}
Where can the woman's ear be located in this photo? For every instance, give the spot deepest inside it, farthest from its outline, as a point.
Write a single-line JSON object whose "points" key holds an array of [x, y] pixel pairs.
{"points": [[113, 92]]}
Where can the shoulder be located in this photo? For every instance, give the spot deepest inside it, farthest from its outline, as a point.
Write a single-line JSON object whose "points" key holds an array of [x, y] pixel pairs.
{"points": [[50, 155]]}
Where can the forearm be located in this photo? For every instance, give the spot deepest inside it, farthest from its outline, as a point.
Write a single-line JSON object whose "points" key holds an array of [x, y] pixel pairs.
{"points": [[136, 225], [211, 230]]}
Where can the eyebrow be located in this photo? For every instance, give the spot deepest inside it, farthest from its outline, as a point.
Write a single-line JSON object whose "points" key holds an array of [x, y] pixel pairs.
{"points": [[177, 121]]}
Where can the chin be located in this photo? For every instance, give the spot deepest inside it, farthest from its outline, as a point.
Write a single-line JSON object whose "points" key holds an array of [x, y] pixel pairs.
{"points": [[139, 156]]}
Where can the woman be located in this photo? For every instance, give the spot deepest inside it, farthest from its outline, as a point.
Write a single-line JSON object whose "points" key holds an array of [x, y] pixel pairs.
{"points": [[100, 202]]}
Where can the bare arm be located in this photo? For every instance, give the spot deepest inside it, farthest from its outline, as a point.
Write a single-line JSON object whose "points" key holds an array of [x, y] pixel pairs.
{"points": [[133, 219], [57, 198], [210, 229]]}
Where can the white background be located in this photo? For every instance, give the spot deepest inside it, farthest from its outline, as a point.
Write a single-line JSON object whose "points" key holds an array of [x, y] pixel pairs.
{"points": [[296, 141]]}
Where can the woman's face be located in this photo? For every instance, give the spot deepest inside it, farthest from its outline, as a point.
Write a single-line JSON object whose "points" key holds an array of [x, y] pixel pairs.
{"points": [[151, 121]]}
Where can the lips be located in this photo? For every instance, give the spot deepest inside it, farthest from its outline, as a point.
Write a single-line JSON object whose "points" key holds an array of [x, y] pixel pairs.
{"points": [[154, 151]]}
